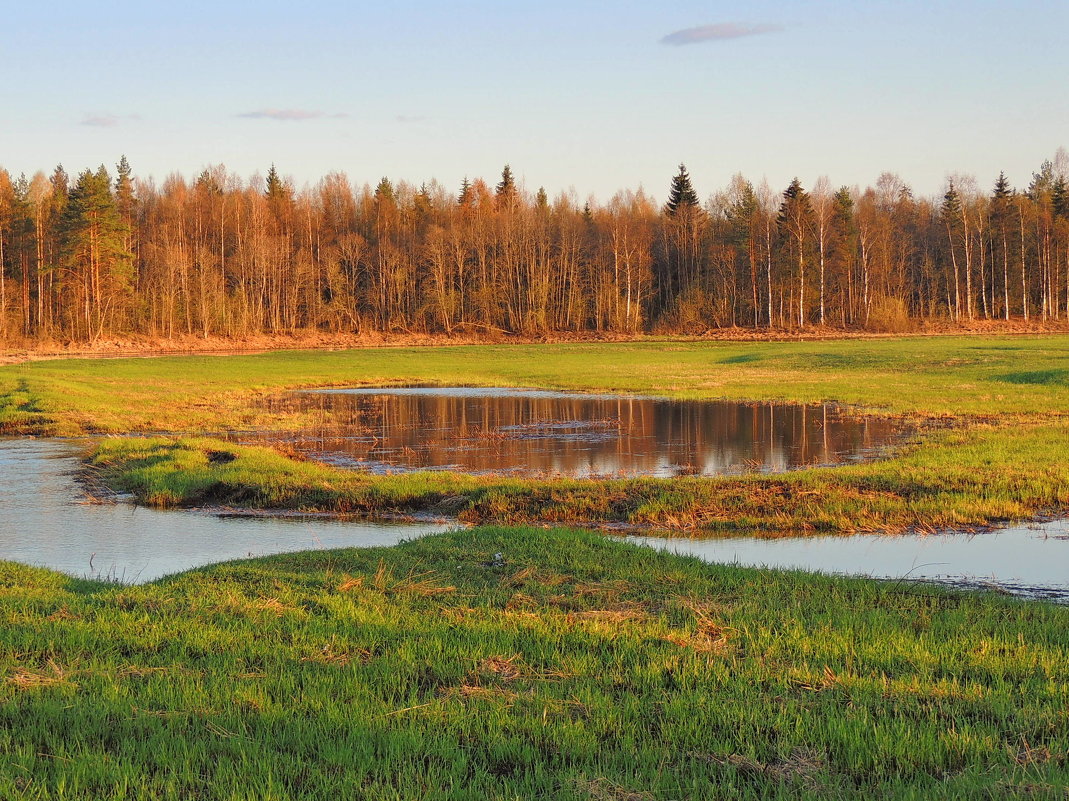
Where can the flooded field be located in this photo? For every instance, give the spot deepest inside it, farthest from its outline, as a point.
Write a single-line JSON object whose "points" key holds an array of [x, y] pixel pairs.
{"points": [[46, 520], [533, 432]]}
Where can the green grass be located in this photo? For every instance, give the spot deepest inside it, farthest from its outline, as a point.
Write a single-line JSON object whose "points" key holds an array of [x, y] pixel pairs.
{"points": [[936, 376], [954, 479], [581, 668], [1005, 456]]}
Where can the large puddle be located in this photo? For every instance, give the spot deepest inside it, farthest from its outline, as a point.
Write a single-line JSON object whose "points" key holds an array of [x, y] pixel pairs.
{"points": [[46, 520], [534, 432]]}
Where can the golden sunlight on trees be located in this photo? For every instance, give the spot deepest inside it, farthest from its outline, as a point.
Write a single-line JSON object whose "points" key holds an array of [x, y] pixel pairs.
{"points": [[219, 256]]}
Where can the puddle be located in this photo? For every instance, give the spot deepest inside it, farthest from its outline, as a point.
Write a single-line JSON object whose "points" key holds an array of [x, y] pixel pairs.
{"points": [[536, 432], [1029, 560]]}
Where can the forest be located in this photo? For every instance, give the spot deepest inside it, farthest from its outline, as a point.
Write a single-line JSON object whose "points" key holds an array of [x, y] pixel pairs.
{"points": [[102, 255]]}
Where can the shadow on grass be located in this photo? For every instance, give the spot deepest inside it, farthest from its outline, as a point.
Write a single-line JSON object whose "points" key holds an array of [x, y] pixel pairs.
{"points": [[1045, 378]]}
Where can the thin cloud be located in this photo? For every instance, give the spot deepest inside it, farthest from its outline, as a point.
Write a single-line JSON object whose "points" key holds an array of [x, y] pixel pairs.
{"points": [[99, 120], [289, 114], [406, 118], [719, 32]]}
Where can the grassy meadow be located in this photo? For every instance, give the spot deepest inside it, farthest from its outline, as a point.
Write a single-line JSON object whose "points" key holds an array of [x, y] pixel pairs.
{"points": [[572, 666]]}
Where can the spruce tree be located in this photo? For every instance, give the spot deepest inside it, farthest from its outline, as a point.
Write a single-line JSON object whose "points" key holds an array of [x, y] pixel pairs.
{"points": [[542, 199], [1002, 188], [125, 200], [796, 218], [124, 189], [61, 185], [681, 195], [467, 194], [506, 188], [950, 211], [277, 191], [384, 190], [1059, 197]]}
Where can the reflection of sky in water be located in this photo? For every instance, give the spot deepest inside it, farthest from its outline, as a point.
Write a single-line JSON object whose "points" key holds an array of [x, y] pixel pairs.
{"points": [[45, 521], [542, 432], [1020, 558]]}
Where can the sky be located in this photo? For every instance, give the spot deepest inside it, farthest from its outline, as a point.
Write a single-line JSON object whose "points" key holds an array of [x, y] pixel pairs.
{"points": [[573, 94]]}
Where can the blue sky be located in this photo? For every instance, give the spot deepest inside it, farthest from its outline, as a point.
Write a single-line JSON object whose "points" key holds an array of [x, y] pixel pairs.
{"points": [[597, 96]]}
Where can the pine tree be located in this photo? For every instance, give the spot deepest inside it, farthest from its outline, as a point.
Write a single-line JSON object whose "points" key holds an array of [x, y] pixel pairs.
{"points": [[1042, 182], [94, 251], [542, 199], [208, 183], [681, 195]]}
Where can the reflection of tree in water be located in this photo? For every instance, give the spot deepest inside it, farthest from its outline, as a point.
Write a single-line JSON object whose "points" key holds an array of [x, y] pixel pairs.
{"points": [[573, 435]]}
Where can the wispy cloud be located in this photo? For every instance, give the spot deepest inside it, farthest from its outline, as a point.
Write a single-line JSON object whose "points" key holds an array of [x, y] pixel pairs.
{"points": [[102, 120], [289, 114], [406, 118], [718, 32]]}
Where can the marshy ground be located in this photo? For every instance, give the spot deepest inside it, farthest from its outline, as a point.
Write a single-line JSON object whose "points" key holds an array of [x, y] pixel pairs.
{"points": [[570, 666]]}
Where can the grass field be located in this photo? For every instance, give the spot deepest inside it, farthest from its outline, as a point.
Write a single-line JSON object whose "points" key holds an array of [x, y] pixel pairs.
{"points": [[1004, 456], [574, 667], [929, 376]]}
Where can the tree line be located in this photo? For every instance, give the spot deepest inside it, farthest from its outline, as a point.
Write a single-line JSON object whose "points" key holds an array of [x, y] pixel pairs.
{"points": [[101, 255]]}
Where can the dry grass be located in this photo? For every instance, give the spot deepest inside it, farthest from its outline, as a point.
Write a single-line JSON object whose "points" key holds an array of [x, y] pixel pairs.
{"points": [[603, 789], [29, 679], [802, 766]]}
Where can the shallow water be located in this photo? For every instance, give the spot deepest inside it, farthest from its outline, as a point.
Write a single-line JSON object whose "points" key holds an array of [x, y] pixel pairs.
{"points": [[1030, 560], [535, 432], [45, 520]]}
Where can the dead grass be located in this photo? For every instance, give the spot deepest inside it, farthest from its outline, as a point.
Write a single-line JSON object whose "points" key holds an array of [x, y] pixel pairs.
{"points": [[802, 767], [29, 679], [603, 789], [421, 585]]}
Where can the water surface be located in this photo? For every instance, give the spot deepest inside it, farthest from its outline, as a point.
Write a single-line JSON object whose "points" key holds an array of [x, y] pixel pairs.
{"points": [[1031, 560], [535, 432], [46, 520]]}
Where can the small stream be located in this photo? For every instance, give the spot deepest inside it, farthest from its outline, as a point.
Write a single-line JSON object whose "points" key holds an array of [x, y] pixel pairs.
{"points": [[46, 520]]}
